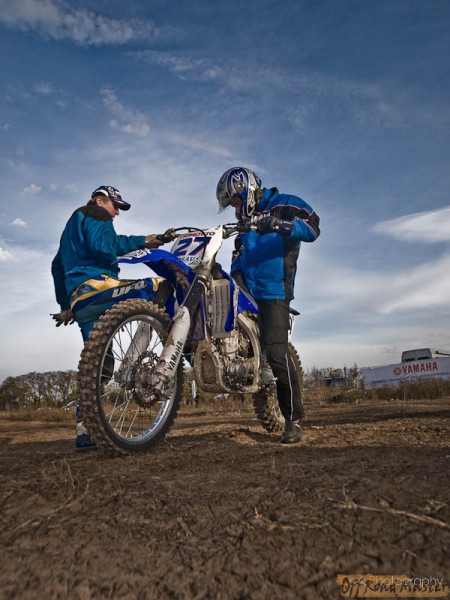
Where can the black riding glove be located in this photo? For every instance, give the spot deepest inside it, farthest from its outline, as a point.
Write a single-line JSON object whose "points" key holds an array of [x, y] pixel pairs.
{"points": [[65, 317], [168, 236], [271, 224]]}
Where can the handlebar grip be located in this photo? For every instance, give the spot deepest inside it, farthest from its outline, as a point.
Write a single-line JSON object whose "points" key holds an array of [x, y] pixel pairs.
{"points": [[243, 227], [168, 236]]}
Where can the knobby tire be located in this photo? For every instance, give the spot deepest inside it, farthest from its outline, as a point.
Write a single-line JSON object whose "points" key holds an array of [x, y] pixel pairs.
{"points": [[265, 401], [92, 360]]}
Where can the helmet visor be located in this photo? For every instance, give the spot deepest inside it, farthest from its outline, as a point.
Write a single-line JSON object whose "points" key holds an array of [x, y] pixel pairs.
{"points": [[226, 190], [224, 200]]}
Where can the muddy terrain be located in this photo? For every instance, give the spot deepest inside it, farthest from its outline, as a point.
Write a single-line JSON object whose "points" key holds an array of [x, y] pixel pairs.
{"points": [[221, 510]]}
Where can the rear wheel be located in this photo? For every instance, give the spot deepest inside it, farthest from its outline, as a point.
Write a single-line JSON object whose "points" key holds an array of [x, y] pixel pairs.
{"points": [[265, 401], [121, 410]]}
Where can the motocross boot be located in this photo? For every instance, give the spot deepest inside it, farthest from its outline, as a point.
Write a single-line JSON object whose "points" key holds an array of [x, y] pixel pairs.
{"points": [[267, 376], [292, 433], [83, 440]]}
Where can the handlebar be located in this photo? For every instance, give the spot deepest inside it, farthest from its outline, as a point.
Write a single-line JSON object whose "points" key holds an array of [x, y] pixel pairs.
{"points": [[229, 229], [239, 227], [168, 236]]}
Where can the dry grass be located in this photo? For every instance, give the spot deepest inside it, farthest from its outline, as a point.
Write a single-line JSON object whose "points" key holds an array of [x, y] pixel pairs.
{"points": [[417, 390], [216, 404], [228, 403], [47, 415]]}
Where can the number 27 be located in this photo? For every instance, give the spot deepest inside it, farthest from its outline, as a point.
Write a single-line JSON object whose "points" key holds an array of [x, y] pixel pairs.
{"points": [[198, 244]]}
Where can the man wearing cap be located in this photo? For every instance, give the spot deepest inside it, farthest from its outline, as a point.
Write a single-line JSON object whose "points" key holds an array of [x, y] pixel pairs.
{"points": [[85, 271]]}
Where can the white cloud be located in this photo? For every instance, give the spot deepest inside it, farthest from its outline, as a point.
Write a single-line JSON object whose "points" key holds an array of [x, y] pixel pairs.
{"points": [[32, 189], [183, 67], [360, 97], [141, 129], [370, 102], [72, 187], [125, 119], [359, 293], [370, 346], [19, 223], [23, 267], [30, 341], [134, 122], [198, 144], [5, 255], [428, 227], [425, 287], [44, 87], [59, 20]]}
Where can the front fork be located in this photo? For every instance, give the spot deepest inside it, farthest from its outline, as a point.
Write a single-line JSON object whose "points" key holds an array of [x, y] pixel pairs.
{"points": [[163, 377]]}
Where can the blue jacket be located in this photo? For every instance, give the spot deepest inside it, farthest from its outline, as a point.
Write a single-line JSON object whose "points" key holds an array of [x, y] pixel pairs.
{"points": [[88, 248], [268, 263]]}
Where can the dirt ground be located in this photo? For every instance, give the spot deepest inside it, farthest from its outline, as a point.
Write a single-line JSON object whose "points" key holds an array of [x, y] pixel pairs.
{"points": [[221, 510]]}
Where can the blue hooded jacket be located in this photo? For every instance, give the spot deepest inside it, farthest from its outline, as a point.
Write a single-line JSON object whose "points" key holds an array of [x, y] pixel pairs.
{"points": [[268, 262], [88, 248]]}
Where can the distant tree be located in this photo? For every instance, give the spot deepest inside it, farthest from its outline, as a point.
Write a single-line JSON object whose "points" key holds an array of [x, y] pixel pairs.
{"points": [[14, 393], [354, 374], [49, 389], [335, 373], [312, 377], [40, 386], [64, 384], [315, 376]]}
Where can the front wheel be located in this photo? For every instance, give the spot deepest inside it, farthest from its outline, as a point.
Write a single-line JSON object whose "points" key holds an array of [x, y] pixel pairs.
{"points": [[265, 401], [120, 410]]}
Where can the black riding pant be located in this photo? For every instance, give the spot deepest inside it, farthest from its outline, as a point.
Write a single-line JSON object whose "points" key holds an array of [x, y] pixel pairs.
{"points": [[274, 331]]}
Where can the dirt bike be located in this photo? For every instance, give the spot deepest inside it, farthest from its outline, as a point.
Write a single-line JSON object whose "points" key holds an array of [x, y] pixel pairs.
{"points": [[131, 369]]}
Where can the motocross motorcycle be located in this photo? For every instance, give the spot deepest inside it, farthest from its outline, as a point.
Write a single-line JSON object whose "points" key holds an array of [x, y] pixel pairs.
{"points": [[132, 367]]}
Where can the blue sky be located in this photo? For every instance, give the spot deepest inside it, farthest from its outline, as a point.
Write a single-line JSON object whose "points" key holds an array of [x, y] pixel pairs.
{"points": [[344, 103]]}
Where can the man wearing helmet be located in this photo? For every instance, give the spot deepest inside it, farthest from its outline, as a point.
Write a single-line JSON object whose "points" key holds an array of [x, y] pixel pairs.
{"points": [[265, 263], [85, 273]]}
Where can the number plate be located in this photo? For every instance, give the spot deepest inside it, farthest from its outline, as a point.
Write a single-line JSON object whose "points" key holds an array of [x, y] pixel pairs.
{"points": [[190, 248]]}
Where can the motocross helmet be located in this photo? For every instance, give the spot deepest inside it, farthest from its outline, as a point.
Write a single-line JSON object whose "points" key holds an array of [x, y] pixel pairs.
{"points": [[241, 182], [113, 194]]}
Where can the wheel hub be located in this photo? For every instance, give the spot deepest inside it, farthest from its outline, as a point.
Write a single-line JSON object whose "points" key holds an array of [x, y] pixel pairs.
{"points": [[143, 392]]}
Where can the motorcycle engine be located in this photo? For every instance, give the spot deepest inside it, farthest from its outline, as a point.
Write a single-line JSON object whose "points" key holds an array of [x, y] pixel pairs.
{"points": [[225, 365], [240, 373]]}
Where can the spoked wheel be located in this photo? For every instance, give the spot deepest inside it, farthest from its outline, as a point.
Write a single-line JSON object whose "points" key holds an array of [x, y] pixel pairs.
{"points": [[121, 410], [265, 401]]}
